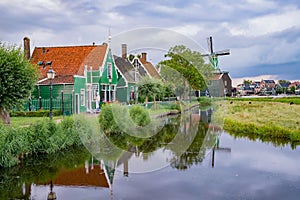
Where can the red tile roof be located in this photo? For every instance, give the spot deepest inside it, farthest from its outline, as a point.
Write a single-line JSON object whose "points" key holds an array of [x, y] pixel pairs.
{"points": [[68, 61], [150, 68]]}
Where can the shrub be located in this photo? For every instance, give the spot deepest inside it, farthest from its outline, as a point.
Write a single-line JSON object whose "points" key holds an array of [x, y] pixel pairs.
{"points": [[140, 115], [204, 101], [39, 113], [106, 119], [112, 113]]}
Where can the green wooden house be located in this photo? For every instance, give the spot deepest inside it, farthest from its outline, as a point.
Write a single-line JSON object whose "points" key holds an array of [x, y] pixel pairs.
{"points": [[126, 87], [82, 72]]}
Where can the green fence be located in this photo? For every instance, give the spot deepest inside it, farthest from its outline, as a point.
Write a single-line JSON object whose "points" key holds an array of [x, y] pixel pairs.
{"points": [[64, 104]]}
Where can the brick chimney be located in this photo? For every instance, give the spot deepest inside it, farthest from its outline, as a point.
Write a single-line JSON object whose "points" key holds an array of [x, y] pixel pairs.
{"points": [[144, 57], [27, 48], [124, 51]]}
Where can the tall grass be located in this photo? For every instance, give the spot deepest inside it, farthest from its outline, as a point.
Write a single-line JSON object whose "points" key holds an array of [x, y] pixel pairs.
{"points": [[263, 119], [295, 100], [43, 137]]}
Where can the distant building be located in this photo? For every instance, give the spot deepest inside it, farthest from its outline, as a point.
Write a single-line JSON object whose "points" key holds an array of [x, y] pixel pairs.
{"points": [[267, 84], [220, 84]]}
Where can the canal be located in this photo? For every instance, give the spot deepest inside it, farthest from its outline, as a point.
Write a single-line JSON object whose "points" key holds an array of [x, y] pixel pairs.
{"points": [[162, 167]]}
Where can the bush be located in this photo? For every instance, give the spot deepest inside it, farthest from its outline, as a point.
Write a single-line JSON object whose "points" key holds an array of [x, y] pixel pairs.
{"points": [[39, 113], [204, 101], [139, 115], [107, 120]]}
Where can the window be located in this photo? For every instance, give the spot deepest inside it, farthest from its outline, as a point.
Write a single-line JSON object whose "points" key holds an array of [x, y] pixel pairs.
{"points": [[82, 97], [95, 90], [113, 88], [103, 87], [225, 83], [109, 71]]}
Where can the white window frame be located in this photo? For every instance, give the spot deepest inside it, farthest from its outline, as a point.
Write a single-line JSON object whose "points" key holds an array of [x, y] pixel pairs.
{"points": [[95, 90], [82, 97]]}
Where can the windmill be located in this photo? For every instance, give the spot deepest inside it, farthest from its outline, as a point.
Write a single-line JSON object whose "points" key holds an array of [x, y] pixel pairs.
{"points": [[217, 147], [213, 56]]}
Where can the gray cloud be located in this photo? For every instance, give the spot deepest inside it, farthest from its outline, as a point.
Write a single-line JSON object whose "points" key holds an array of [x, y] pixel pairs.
{"points": [[259, 33]]}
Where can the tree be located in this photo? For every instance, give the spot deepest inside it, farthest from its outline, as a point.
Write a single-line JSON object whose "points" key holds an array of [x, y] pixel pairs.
{"points": [[148, 87], [189, 64], [283, 81], [131, 57], [17, 79], [293, 89], [247, 82]]}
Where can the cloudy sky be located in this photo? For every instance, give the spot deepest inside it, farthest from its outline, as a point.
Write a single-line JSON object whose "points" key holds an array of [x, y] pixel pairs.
{"points": [[262, 35]]}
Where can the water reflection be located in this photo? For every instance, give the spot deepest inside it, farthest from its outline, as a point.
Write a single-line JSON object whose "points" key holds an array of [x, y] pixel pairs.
{"points": [[78, 174], [276, 142], [78, 168]]}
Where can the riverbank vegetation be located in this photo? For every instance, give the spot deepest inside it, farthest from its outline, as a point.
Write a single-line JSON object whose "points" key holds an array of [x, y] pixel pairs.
{"points": [[43, 137], [290, 100], [266, 120]]}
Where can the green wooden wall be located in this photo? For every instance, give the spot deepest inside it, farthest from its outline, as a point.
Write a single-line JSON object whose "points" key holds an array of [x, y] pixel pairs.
{"points": [[80, 83], [104, 79]]}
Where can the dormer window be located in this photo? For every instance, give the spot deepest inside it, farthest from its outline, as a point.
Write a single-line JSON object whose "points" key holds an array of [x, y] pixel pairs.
{"points": [[42, 64]]}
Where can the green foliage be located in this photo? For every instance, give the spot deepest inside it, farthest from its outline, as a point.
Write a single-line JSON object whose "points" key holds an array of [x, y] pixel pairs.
{"points": [[293, 88], [247, 82], [17, 77], [139, 115], [295, 100], [44, 137], [106, 119], [204, 101], [189, 64], [150, 87], [131, 57], [39, 113], [276, 134]]}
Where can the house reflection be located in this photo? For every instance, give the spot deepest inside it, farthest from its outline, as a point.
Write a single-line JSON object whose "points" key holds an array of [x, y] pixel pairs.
{"points": [[79, 169]]}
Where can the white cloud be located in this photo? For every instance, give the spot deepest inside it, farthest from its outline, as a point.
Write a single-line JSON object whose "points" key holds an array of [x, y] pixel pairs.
{"points": [[267, 24], [252, 29], [189, 29]]}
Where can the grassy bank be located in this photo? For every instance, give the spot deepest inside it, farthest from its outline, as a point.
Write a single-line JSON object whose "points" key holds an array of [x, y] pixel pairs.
{"points": [[263, 119], [293, 99], [42, 137], [28, 121]]}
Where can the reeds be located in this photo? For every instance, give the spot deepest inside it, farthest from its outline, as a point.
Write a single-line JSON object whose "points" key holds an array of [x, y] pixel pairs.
{"points": [[43, 137]]}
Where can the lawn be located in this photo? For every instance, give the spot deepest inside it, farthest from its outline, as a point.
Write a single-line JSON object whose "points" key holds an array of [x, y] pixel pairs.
{"points": [[265, 113], [294, 99], [264, 119], [27, 121]]}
